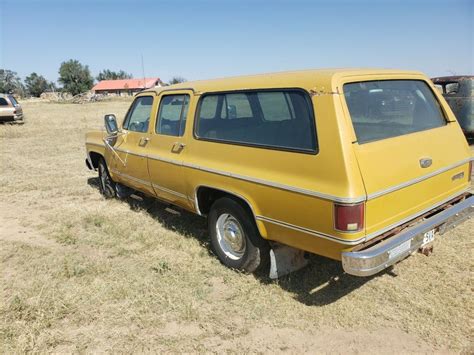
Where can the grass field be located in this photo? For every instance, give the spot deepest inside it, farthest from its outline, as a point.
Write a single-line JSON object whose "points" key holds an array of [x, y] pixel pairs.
{"points": [[80, 273]]}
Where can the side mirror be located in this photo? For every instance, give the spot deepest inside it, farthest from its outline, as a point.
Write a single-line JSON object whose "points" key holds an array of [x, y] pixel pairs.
{"points": [[111, 124]]}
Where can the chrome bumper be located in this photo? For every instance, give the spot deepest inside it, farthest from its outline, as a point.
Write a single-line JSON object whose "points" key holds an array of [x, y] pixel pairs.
{"points": [[380, 256]]}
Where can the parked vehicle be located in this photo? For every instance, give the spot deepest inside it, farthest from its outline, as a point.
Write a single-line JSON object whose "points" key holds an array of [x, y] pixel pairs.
{"points": [[10, 109], [342, 163], [459, 93]]}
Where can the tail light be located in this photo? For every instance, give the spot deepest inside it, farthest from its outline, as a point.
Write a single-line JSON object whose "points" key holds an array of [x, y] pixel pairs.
{"points": [[349, 218]]}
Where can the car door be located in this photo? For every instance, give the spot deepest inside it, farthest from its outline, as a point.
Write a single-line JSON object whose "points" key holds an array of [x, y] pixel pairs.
{"points": [[167, 148], [129, 160]]}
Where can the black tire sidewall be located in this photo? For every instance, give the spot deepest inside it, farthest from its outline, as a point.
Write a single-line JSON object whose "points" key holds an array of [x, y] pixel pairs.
{"points": [[251, 258], [109, 191]]}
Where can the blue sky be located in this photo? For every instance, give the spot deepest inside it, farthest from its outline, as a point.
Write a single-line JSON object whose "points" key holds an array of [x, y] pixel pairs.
{"points": [[206, 39]]}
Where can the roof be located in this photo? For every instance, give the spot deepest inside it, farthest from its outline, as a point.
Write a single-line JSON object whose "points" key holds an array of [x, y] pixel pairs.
{"points": [[126, 84], [443, 79], [315, 79]]}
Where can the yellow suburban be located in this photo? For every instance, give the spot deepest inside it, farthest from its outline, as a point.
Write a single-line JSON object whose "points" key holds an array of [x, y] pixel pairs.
{"points": [[362, 166]]}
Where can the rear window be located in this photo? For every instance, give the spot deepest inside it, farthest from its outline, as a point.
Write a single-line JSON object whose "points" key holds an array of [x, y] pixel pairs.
{"points": [[13, 100], [390, 108], [279, 119]]}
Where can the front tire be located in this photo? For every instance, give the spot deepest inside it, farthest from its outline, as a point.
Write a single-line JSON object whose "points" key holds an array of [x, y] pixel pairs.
{"points": [[235, 238], [106, 184]]}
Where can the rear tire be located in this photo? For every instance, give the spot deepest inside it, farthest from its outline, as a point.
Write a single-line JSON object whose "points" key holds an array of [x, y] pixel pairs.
{"points": [[235, 238], [106, 184]]}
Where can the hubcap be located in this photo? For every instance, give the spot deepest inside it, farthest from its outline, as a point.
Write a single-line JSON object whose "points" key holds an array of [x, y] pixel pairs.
{"points": [[230, 236]]}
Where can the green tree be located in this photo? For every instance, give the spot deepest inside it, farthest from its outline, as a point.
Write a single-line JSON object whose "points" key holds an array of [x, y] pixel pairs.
{"points": [[36, 84], [75, 77], [107, 74], [10, 82], [177, 80]]}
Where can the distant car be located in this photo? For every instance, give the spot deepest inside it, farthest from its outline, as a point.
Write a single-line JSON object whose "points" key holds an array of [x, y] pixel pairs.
{"points": [[459, 93], [10, 109]]}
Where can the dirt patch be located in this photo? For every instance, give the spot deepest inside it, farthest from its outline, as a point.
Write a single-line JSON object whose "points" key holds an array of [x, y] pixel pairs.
{"points": [[12, 230]]}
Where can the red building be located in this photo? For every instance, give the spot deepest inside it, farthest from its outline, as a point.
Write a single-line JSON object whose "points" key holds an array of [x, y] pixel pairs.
{"points": [[125, 87]]}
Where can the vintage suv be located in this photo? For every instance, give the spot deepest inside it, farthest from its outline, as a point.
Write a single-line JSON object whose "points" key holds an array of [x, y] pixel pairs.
{"points": [[362, 166]]}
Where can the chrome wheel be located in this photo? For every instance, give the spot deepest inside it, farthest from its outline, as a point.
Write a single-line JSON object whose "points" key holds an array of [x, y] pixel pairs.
{"points": [[230, 236]]}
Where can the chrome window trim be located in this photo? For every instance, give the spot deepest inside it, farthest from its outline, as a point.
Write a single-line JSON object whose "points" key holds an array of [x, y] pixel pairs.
{"points": [[379, 193]]}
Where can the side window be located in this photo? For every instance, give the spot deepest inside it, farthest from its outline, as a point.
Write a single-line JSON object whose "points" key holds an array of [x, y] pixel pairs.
{"points": [[138, 117], [208, 107], [13, 101], [276, 106], [236, 106], [278, 119], [452, 88], [172, 115], [3, 102]]}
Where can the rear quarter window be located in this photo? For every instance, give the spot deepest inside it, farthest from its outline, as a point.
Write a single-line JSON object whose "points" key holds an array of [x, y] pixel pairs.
{"points": [[390, 108]]}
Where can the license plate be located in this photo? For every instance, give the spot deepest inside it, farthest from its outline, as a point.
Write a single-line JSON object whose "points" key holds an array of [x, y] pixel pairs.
{"points": [[428, 237]]}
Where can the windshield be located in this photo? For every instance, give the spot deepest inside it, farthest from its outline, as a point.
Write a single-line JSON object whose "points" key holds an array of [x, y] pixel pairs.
{"points": [[389, 108]]}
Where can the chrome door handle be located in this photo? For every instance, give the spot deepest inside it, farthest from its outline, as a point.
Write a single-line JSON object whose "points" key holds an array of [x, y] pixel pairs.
{"points": [[143, 141], [178, 147]]}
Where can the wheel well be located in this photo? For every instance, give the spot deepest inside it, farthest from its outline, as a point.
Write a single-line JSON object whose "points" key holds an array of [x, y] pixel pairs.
{"points": [[95, 157], [206, 196]]}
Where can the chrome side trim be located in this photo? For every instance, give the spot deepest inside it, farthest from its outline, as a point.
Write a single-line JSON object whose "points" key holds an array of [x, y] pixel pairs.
{"points": [[172, 192], [129, 152], [278, 185], [416, 180], [196, 202], [132, 178], [398, 223], [310, 231], [165, 160]]}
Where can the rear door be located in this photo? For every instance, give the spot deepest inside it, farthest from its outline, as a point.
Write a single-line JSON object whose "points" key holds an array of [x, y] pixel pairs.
{"points": [[410, 154]]}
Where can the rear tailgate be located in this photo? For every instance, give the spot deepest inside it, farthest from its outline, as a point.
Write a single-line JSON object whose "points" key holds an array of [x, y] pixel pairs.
{"points": [[411, 157]]}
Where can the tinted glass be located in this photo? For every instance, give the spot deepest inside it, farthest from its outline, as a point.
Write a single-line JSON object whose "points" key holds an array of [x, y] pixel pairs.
{"points": [[276, 106], [390, 108], [138, 117], [172, 115], [276, 119], [3, 102]]}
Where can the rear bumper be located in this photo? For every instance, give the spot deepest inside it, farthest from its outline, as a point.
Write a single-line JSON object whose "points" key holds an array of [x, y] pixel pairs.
{"points": [[380, 256]]}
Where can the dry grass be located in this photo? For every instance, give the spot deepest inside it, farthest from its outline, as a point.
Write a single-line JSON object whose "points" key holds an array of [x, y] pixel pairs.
{"points": [[80, 273]]}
